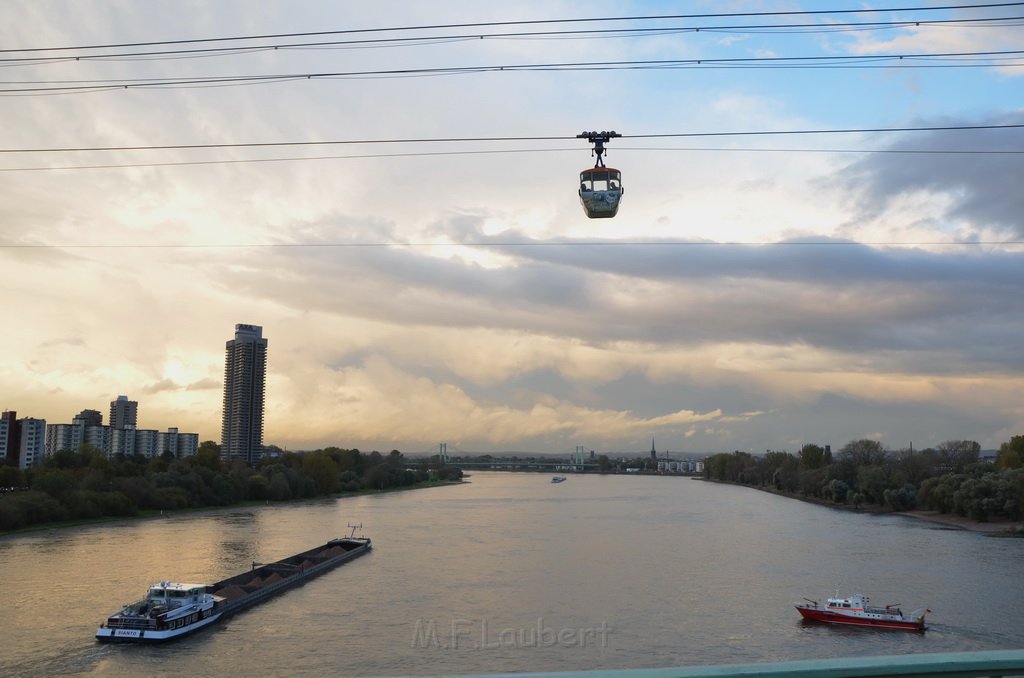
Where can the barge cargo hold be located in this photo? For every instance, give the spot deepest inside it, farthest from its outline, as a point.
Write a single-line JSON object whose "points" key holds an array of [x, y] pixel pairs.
{"points": [[171, 610]]}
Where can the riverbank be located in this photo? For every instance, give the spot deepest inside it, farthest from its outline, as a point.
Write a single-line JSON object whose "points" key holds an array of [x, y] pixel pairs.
{"points": [[998, 528], [204, 510], [1003, 528]]}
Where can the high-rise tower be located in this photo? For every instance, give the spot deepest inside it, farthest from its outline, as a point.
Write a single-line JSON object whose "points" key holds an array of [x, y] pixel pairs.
{"points": [[245, 370], [124, 413]]}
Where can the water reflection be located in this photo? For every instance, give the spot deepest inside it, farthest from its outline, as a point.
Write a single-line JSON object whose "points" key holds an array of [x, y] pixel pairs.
{"points": [[238, 542], [680, 571]]}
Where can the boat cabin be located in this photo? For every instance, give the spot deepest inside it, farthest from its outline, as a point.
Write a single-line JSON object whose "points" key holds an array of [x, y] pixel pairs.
{"points": [[173, 595], [854, 602], [601, 191]]}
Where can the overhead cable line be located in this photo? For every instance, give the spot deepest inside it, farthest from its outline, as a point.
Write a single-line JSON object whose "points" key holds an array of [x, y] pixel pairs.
{"points": [[532, 22], [338, 142], [424, 154], [36, 87], [986, 22], [511, 244]]}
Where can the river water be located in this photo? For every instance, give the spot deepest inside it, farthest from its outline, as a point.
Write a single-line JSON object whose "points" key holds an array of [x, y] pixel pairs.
{"points": [[512, 573]]}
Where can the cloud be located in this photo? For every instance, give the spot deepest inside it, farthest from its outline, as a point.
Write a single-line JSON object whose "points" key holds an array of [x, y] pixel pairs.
{"points": [[898, 305], [62, 341], [377, 394], [971, 36], [980, 192], [205, 385], [508, 319], [160, 386]]}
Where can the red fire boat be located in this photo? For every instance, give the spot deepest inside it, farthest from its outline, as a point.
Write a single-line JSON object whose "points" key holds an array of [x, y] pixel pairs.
{"points": [[855, 611]]}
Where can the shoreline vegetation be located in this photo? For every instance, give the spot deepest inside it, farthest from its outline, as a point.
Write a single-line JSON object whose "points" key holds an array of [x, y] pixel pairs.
{"points": [[84, 487], [205, 510], [999, 528], [948, 485]]}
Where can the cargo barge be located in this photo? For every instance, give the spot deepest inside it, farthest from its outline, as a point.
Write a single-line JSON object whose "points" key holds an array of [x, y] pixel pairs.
{"points": [[171, 609]]}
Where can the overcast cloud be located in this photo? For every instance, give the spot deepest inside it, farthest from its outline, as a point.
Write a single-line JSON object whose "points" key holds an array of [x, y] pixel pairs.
{"points": [[753, 292]]}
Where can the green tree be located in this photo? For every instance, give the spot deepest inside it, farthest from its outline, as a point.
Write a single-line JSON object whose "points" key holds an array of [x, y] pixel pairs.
{"points": [[1011, 453], [873, 481], [376, 478], [914, 466], [863, 452], [814, 456], [449, 473], [138, 489], [1011, 493], [937, 493], [323, 471], [954, 456], [223, 490], [349, 481], [812, 483], [35, 507], [61, 459], [902, 499], [735, 467], [836, 490], [56, 483], [350, 460], [11, 517], [11, 476], [158, 465], [208, 455], [975, 496], [258, 487], [280, 490]]}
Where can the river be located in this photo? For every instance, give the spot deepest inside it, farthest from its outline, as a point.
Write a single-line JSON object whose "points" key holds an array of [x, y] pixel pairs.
{"points": [[510, 573]]}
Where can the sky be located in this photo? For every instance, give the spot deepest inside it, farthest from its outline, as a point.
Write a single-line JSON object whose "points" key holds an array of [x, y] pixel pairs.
{"points": [[754, 292]]}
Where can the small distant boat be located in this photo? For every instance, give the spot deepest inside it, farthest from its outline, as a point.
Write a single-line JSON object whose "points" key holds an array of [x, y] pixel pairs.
{"points": [[856, 611], [558, 479]]}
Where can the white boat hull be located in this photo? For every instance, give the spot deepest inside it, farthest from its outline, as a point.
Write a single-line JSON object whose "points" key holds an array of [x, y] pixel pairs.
{"points": [[154, 635]]}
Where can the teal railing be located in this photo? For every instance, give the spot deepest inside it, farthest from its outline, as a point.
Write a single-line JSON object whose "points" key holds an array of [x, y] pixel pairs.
{"points": [[1003, 663]]}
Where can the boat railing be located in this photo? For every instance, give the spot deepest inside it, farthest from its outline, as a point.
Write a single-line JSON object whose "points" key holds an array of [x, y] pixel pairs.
{"points": [[885, 610], [139, 623]]}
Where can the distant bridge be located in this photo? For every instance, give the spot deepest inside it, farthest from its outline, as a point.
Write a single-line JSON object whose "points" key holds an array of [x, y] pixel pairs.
{"points": [[558, 467], [524, 465]]}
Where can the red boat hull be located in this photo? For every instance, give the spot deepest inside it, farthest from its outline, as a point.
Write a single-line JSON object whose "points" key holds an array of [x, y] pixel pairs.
{"points": [[823, 615]]}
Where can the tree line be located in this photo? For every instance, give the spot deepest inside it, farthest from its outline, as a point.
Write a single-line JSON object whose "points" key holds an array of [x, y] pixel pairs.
{"points": [[950, 478], [85, 484]]}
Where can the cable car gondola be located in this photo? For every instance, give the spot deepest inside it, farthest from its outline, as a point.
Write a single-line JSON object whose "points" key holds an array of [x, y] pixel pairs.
{"points": [[600, 187]]}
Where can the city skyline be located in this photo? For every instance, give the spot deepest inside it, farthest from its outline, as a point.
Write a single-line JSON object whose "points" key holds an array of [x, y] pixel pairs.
{"points": [[26, 441], [755, 290]]}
